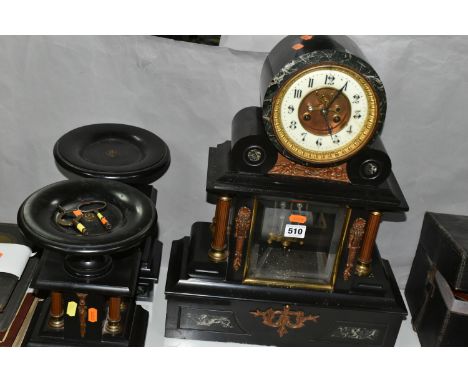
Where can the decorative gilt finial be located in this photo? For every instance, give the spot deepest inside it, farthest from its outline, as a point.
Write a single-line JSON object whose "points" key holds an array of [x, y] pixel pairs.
{"points": [[354, 245], [82, 310], [243, 221]]}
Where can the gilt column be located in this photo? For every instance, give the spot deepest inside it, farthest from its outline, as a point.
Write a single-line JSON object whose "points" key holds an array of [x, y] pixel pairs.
{"points": [[113, 318], [364, 261], [218, 243], [56, 310]]}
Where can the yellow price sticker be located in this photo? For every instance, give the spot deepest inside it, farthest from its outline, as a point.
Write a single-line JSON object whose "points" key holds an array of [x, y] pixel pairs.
{"points": [[71, 308]]}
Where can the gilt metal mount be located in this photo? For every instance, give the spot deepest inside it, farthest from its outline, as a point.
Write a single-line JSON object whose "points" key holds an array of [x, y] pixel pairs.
{"points": [[284, 319]]}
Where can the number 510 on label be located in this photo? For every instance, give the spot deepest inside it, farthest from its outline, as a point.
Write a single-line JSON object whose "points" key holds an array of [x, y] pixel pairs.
{"points": [[295, 230]]}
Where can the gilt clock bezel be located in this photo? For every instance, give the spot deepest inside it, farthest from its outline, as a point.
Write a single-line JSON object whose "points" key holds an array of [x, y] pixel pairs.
{"points": [[351, 65]]}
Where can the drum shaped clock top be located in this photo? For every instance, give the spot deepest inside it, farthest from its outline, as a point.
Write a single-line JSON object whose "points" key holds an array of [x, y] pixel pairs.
{"points": [[323, 106]]}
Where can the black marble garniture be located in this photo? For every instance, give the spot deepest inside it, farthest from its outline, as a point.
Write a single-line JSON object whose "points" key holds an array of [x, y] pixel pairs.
{"points": [[241, 279], [127, 154], [92, 281], [85, 276]]}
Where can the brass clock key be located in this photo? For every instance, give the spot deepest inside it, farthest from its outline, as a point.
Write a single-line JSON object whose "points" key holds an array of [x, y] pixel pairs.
{"points": [[71, 218], [96, 207]]}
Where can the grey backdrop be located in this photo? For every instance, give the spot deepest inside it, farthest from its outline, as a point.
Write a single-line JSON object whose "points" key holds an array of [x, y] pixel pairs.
{"points": [[188, 94]]}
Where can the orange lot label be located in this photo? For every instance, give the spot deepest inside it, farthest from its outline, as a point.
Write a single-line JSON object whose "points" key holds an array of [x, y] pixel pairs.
{"points": [[306, 37], [77, 213], [297, 46], [301, 219], [92, 314]]}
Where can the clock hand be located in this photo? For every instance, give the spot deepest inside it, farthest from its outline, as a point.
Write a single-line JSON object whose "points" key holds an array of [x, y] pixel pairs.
{"points": [[335, 97], [324, 113]]}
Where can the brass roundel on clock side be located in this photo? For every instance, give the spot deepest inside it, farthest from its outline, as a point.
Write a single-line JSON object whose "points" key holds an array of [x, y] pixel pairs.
{"points": [[336, 118]]}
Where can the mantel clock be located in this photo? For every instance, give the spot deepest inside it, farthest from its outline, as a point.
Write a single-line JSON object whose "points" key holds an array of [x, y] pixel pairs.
{"points": [[300, 190]]}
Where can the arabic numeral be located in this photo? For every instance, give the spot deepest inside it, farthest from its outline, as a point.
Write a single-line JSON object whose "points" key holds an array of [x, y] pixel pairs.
{"points": [[350, 129], [356, 98], [318, 142], [290, 109], [336, 139], [357, 114], [329, 79], [304, 135], [293, 125]]}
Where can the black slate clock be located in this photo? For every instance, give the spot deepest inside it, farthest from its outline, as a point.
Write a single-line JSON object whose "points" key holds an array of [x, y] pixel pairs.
{"points": [[322, 103], [289, 258]]}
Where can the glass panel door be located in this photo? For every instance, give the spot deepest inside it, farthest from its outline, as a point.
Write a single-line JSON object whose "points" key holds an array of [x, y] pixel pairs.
{"points": [[294, 243]]}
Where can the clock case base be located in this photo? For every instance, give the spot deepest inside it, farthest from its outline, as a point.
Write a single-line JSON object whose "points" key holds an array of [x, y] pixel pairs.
{"points": [[202, 305], [40, 334], [207, 301], [132, 277], [121, 282]]}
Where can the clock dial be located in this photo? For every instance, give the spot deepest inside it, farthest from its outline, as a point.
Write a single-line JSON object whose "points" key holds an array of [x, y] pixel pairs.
{"points": [[325, 114]]}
